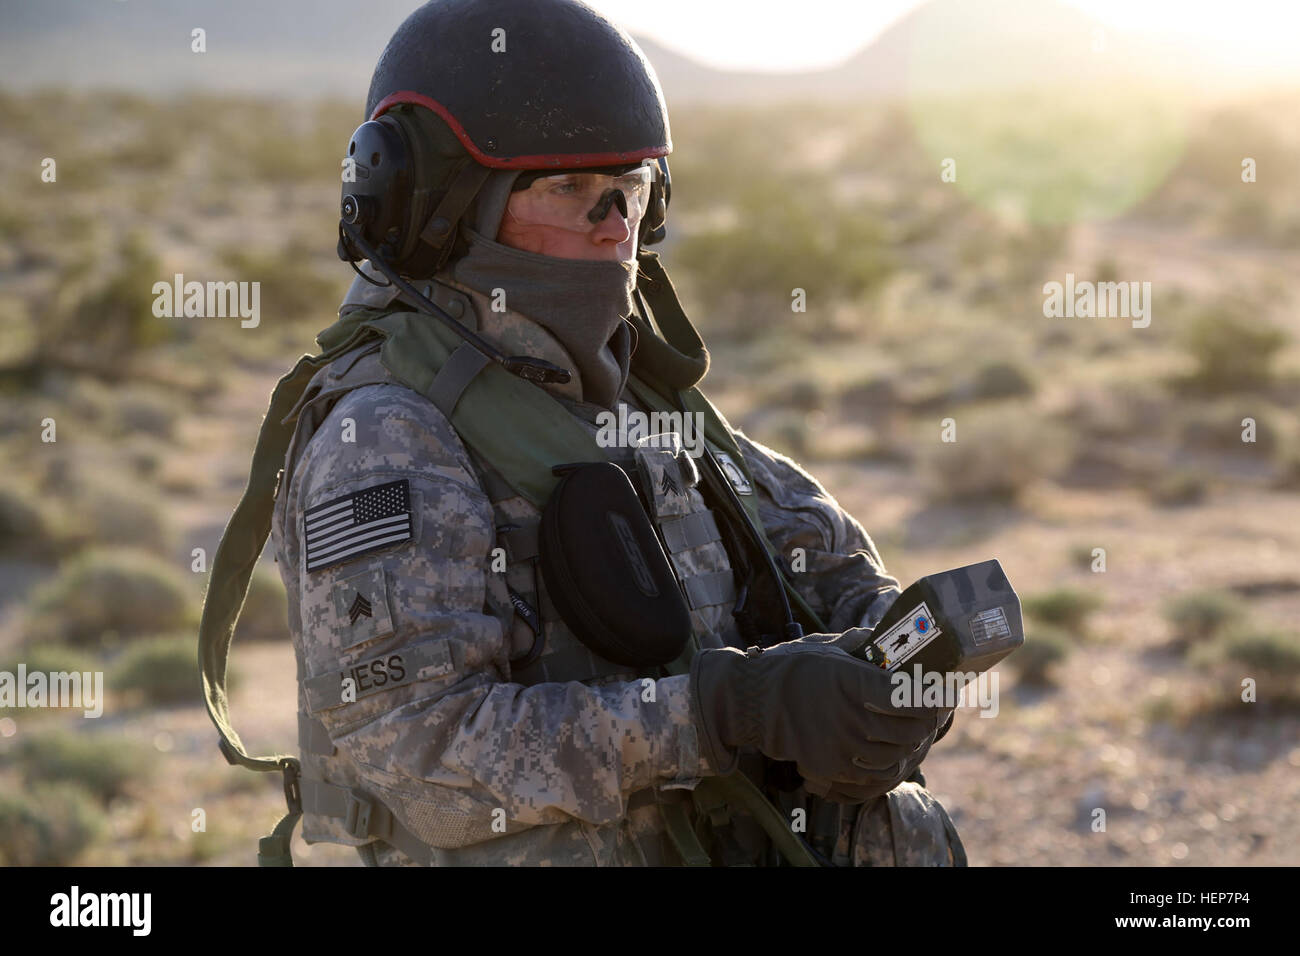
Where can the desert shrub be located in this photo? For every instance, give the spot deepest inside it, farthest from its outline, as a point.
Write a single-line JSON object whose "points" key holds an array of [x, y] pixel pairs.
{"points": [[1106, 270], [206, 845], [1218, 427], [1179, 487], [27, 526], [115, 319], [1247, 215], [1121, 410], [291, 285], [1271, 652], [146, 459], [996, 456], [1233, 351], [104, 765], [804, 394], [787, 235], [50, 657], [265, 613], [162, 670], [1286, 475], [119, 592], [786, 432], [1002, 379], [180, 483], [1200, 616], [90, 401], [293, 147], [115, 512], [148, 411], [872, 396], [1082, 557], [1270, 656], [1066, 607], [1044, 647], [48, 825], [150, 151]]}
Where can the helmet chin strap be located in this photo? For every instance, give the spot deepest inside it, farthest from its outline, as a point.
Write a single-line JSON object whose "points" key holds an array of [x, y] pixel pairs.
{"points": [[492, 201]]}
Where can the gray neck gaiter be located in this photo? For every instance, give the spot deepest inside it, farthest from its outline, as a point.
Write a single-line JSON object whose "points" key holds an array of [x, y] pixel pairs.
{"points": [[582, 302]]}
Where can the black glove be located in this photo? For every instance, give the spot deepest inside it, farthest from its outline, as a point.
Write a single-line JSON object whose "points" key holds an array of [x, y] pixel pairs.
{"points": [[839, 792], [850, 641], [811, 702]]}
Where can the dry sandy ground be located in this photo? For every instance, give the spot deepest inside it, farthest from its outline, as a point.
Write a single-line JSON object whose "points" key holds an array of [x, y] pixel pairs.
{"points": [[1022, 786]]}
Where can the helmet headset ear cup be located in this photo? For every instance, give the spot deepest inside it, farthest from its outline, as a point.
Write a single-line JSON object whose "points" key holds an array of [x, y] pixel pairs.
{"points": [[402, 164], [653, 226], [654, 219], [376, 187]]}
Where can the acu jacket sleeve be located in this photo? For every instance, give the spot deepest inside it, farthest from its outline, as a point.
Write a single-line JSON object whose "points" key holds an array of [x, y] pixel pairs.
{"points": [[434, 730], [841, 574]]}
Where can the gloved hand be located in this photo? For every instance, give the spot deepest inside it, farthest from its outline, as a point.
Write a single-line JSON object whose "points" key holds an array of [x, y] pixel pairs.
{"points": [[811, 702], [850, 641], [849, 793]]}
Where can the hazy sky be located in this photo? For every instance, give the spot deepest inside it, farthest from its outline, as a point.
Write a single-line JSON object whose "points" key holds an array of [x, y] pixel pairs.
{"points": [[803, 34], [325, 47]]}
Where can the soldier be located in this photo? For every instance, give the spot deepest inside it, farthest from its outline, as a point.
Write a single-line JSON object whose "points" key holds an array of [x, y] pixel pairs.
{"points": [[456, 705]]}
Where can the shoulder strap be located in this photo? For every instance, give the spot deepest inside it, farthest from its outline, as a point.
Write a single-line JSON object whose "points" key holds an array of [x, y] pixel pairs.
{"points": [[232, 569], [237, 554]]}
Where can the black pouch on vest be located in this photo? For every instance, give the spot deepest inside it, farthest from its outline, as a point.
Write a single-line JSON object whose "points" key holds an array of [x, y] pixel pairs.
{"points": [[606, 572]]}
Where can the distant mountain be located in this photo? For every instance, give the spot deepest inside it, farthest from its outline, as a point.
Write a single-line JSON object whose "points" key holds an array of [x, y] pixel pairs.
{"points": [[310, 47], [872, 71], [329, 47]]}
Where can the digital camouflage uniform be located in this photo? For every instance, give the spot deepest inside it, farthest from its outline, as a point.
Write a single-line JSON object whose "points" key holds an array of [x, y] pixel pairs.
{"points": [[567, 756]]}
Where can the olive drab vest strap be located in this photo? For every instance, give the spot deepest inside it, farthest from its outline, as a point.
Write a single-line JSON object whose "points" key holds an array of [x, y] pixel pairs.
{"points": [[542, 432], [232, 569]]}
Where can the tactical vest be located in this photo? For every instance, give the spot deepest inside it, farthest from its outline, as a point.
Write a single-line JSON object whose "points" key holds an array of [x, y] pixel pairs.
{"points": [[378, 346]]}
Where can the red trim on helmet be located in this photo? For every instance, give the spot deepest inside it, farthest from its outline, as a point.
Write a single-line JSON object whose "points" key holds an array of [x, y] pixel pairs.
{"points": [[539, 161]]}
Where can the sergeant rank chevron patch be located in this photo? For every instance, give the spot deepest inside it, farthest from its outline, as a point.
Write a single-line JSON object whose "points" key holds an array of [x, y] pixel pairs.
{"points": [[360, 608]]}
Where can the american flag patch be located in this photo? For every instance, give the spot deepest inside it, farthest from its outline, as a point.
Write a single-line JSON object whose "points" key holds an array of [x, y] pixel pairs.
{"points": [[358, 523]]}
